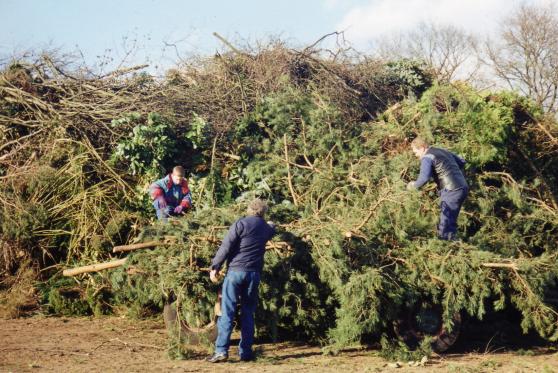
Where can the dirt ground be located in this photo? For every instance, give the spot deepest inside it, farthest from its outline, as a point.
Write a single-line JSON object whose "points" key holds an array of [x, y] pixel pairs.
{"points": [[113, 344]]}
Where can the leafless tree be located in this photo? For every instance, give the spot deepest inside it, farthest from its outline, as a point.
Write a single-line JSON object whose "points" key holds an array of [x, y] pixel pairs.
{"points": [[448, 50], [525, 56]]}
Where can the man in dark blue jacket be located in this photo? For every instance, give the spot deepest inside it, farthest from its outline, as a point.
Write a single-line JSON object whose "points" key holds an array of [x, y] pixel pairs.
{"points": [[243, 249], [447, 170]]}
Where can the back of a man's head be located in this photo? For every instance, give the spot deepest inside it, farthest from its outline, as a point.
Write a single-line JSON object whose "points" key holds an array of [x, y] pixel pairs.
{"points": [[419, 143], [257, 207]]}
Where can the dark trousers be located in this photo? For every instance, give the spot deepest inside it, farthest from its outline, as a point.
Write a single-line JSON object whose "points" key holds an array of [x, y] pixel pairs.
{"points": [[163, 213], [450, 205], [243, 286]]}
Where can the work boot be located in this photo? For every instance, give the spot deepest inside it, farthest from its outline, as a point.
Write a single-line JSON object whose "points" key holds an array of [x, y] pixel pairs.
{"points": [[217, 358], [247, 358]]}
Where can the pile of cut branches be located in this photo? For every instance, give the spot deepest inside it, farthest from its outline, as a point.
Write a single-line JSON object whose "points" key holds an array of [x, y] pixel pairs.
{"points": [[326, 142]]}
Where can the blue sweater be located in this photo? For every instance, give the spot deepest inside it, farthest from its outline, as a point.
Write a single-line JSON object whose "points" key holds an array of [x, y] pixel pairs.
{"points": [[244, 245]]}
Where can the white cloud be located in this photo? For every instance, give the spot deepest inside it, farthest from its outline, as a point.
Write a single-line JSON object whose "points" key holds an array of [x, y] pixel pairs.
{"points": [[363, 24], [331, 4]]}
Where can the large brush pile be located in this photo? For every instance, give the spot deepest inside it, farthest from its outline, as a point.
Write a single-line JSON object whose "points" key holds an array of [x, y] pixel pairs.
{"points": [[339, 192], [326, 142]]}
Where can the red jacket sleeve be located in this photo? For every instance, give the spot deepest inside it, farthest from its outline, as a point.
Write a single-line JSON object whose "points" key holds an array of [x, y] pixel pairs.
{"points": [[187, 199], [156, 191]]}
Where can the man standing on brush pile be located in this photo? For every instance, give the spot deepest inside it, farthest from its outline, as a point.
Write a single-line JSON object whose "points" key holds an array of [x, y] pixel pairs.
{"points": [[243, 249], [171, 195], [447, 170]]}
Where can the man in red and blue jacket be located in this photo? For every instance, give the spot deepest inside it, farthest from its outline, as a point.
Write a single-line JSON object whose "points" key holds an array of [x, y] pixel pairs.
{"points": [[171, 195]]}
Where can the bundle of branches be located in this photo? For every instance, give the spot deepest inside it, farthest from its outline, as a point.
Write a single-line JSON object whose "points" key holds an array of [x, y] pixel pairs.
{"points": [[369, 236], [229, 86], [57, 191], [125, 128]]}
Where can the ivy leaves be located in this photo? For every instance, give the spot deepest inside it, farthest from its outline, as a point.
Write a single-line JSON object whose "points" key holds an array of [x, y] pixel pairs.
{"points": [[149, 145]]}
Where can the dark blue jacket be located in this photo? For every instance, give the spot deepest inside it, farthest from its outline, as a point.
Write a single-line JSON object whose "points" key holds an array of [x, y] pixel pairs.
{"points": [[445, 167], [244, 245]]}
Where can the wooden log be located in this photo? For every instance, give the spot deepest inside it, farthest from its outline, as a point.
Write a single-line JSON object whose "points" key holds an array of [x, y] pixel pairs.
{"points": [[232, 156], [289, 176], [281, 245], [207, 239], [94, 267], [501, 265], [137, 246]]}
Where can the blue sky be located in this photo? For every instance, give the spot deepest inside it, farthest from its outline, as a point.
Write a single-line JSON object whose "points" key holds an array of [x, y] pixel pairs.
{"points": [[96, 26], [104, 27]]}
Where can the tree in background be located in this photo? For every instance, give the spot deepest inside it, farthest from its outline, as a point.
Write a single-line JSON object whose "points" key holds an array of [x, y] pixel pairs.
{"points": [[525, 56], [447, 50]]}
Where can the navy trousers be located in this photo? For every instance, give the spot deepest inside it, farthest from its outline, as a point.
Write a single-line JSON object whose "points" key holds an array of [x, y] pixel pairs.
{"points": [[243, 286], [450, 205], [163, 213]]}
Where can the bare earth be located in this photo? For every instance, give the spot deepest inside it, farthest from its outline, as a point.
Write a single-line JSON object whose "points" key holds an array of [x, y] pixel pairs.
{"points": [[112, 344]]}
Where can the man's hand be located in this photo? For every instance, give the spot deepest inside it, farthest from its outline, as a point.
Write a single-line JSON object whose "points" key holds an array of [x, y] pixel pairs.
{"points": [[161, 202], [178, 209], [411, 185], [213, 276]]}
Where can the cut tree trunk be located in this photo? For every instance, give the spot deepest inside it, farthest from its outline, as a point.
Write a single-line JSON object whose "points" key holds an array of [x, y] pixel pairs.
{"points": [[94, 267]]}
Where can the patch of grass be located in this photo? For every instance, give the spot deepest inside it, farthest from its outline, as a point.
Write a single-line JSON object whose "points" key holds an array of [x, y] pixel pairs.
{"points": [[490, 364], [399, 351], [18, 294], [260, 357], [463, 369], [524, 352], [179, 347]]}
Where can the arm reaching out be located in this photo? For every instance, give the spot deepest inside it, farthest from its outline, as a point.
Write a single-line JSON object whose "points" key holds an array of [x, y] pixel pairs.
{"points": [[425, 174], [230, 243]]}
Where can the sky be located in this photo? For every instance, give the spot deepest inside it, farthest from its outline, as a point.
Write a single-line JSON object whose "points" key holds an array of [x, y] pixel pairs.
{"points": [[161, 32]]}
